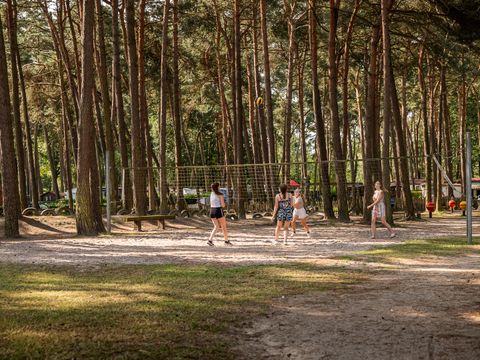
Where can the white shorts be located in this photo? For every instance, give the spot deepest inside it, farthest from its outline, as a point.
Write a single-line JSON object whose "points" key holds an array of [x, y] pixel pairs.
{"points": [[300, 213]]}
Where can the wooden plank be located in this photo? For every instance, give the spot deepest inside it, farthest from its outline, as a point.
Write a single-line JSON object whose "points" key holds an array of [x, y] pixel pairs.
{"points": [[149, 217]]}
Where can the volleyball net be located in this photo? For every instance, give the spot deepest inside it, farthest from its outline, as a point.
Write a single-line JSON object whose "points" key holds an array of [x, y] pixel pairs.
{"points": [[253, 186]]}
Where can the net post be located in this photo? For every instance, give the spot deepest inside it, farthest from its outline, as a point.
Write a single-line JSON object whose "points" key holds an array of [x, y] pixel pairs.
{"points": [[468, 187], [108, 186]]}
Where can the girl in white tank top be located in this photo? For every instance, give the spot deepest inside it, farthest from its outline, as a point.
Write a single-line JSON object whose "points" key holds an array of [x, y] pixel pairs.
{"points": [[299, 212]]}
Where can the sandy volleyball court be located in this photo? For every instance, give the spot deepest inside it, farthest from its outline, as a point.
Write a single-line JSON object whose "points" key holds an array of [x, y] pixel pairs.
{"points": [[53, 241]]}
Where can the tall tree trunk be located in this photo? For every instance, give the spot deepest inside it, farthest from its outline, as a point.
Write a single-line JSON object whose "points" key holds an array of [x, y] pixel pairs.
{"points": [[288, 105], [88, 222], [387, 106], [163, 112], [254, 138], [402, 152], [11, 199], [239, 149], [263, 127], [448, 138], [432, 90], [462, 124], [52, 162], [177, 115], [302, 140], [258, 90], [119, 109], [143, 109], [268, 86], [138, 157], [426, 137], [66, 142], [34, 195], [440, 121], [37, 160], [346, 68], [402, 148], [73, 33], [335, 117], [106, 106], [370, 163], [317, 113], [19, 147]]}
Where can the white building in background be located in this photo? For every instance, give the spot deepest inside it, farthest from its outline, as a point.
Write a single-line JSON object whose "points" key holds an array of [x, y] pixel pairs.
{"points": [[457, 190]]}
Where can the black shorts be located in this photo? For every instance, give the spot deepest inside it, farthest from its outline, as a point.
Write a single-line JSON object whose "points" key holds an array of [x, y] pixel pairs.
{"points": [[216, 213]]}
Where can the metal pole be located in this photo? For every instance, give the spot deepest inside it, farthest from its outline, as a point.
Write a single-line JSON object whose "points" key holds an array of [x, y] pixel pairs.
{"points": [[468, 175], [109, 200], [124, 174]]}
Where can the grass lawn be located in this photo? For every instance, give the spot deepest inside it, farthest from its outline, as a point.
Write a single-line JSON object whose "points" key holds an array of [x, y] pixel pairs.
{"points": [[418, 249], [141, 311], [162, 311]]}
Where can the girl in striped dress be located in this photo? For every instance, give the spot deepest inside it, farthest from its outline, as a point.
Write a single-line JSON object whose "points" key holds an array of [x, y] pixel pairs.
{"points": [[379, 210]]}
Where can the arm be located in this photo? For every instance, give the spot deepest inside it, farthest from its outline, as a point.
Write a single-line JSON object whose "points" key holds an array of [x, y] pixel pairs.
{"points": [[275, 208], [376, 201], [222, 201]]}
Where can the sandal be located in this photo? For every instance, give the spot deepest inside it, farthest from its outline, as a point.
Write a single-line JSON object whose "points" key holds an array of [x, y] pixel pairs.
{"points": [[210, 243], [228, 243]]}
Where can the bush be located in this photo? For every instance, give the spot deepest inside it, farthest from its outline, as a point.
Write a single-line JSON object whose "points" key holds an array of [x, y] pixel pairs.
{"points": [[417, 194]]}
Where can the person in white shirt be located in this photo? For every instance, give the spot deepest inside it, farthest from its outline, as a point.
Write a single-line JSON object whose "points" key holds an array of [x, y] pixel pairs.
{"points": [[217, 203], [299, 212]]}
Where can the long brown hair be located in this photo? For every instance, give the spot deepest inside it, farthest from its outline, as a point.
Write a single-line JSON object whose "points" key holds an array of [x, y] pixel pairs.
{"points": [[283, 189], [215, 189], [381, 185]]}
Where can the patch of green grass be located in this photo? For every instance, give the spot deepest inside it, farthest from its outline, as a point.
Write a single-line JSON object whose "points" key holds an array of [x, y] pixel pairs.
{"points": [[417, 248], [141, 311]]}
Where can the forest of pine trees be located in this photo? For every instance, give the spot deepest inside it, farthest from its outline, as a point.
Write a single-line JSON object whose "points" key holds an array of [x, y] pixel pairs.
{"points": [[367, 90]]}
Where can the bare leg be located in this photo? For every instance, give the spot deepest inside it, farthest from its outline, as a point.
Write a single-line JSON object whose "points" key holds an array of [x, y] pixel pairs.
{"points": [[387, 225], [373, 227], [294, 224], [223, 225], [215, 229], [277, 229], [285, 232], [305, 226]]}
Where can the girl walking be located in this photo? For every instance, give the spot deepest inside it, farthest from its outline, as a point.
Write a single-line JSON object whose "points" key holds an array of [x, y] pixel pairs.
{"points": [[299, 212], [379, 210], [284, 211], [217, 203]]}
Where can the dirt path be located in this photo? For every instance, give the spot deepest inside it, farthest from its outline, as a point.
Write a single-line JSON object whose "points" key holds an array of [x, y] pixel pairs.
{"points": [[52, 241], [428, 309], [424, 310]]}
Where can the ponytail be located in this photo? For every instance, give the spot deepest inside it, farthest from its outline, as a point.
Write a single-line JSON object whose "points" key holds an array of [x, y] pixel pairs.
{"points": [[215, 188]]}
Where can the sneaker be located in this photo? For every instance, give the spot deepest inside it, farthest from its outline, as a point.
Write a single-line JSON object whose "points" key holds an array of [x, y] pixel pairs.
{"points": [[228, 243], [275, 242], [210, 243], [392, 235], [309, 235]]}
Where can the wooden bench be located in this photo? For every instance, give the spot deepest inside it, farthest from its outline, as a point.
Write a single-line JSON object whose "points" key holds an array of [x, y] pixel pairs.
{"points": [[137, 219]]}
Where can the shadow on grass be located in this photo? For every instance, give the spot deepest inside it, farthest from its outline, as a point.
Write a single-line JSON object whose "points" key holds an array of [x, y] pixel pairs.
{"points": [[149, 311]]}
